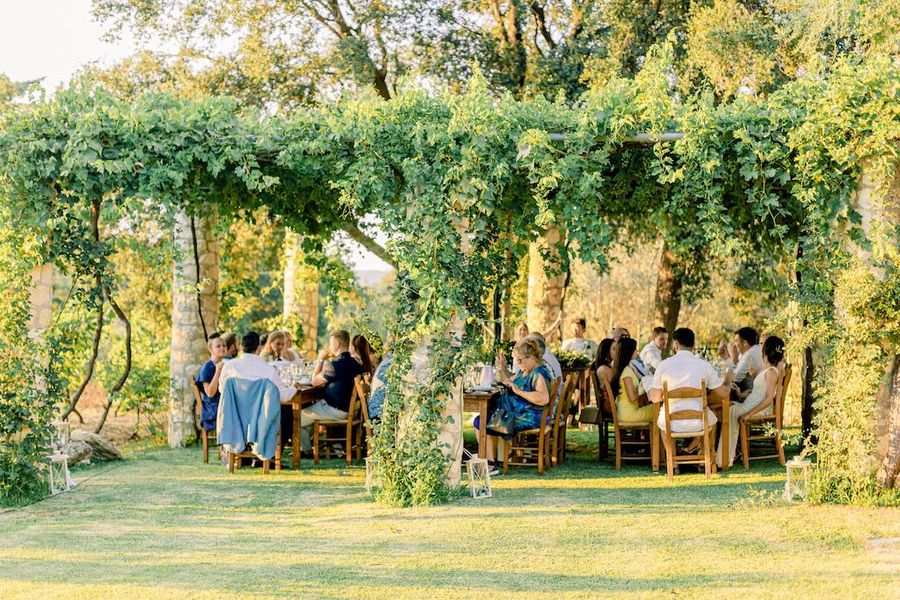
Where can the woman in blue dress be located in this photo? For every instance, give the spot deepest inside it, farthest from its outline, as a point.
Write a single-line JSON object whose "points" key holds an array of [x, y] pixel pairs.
{"points": [[528, 391]]}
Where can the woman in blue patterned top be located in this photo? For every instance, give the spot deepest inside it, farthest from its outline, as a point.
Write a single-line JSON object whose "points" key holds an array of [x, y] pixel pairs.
{"points": [[528, 390]]}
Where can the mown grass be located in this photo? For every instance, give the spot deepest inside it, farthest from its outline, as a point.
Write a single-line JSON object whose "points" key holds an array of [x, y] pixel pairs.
{"points": [[164, 525]]}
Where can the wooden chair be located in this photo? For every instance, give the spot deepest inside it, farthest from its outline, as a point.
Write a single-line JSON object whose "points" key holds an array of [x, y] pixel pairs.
{"points": [[205, 436], [568, 399], [707, 436], [625, 434], [754, 429], [363, 388], [350, 431], [605, 417], [539, 437]]}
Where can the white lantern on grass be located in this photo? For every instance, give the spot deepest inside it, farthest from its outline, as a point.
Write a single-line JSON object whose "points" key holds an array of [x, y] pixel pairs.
{"points": [[797, 478], [479, 477]]}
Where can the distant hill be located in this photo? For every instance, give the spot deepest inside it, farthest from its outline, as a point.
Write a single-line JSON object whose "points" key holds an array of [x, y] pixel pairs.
{"points": [[370, 277]]}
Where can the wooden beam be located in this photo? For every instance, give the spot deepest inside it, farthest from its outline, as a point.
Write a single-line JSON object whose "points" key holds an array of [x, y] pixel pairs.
{"points": [[368, 243]]}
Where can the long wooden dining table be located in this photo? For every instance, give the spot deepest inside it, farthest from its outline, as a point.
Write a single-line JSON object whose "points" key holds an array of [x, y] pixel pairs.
{"points": [[306, 395], [478, 401]]}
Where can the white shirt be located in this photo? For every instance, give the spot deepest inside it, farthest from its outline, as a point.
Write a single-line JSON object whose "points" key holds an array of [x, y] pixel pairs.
{"points": [[651, 356], [751, 360], [685, 370], [582, 345], [252, 366]]}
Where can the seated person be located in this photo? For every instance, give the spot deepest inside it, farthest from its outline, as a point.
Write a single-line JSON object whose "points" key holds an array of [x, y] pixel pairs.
{"points": [[528, 391], [624, 384], [379, 386], [231, 345], [684, 369], [363, 352], [603, 361], [651, 354], [550, 360], [251, 366], [289, 352], [336, 371], [761, 397], [208, 381], [616, 332], [274, 350], [744, 356], [579, 343]]}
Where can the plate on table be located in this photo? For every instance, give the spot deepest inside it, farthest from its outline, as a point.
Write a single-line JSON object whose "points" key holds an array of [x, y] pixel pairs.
{"points": [[305, 381], [480, 390]]}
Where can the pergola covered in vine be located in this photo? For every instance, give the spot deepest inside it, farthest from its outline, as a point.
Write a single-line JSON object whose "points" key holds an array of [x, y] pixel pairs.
{"points": [[458, 183]]}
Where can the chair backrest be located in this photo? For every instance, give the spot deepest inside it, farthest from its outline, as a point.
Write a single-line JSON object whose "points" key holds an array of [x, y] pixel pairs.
{"points": [[554, 388], [361, 389], [600, 396], [781, 394], [565, 399], [197, 397], [609, 394], [685, 414]]}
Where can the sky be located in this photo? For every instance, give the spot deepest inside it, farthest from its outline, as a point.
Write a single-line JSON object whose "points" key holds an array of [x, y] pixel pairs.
{"points": [[51, 39]]}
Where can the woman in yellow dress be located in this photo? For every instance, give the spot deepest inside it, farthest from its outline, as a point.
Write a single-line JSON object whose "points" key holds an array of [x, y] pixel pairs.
{"points": [[624, 383]]}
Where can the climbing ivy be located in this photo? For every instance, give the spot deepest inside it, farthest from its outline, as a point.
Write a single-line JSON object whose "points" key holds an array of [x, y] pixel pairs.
{"points": [[460, 182]]}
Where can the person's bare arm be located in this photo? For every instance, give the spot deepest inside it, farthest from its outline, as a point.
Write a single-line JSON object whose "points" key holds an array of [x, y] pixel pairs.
{"points": [[553, 329], [771, 380], [212, 387], [630, 389], [655, 395], [719, 393], [539, 397]]}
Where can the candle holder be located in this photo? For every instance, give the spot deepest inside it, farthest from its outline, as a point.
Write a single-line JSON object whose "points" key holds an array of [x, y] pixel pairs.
{"points": [[797, 483], [59, 478], [479, 477]]}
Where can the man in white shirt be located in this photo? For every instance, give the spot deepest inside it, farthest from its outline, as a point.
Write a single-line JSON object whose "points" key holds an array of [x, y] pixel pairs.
{"points": [[651, 354], [684, 369], [251, 366], [579, 343], [745, 357]]}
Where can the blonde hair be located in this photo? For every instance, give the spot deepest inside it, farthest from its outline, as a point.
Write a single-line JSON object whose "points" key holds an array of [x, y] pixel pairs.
{"points": [[275, 335], [530, 348]]}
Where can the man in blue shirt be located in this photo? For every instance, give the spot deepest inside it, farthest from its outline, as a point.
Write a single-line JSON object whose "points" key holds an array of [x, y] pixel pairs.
{"points": [[336, 371]]}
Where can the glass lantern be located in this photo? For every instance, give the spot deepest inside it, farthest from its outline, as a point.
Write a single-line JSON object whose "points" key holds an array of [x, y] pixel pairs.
{"points": [[60, 479], [797, 479], [60, 435], [479, 477]]}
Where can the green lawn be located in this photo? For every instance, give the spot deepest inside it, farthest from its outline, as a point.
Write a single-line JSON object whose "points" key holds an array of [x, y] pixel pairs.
{"points": [[164, 525]]}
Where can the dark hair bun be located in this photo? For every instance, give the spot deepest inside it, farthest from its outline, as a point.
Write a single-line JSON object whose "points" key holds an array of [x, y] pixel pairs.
{"points": [[773, 349]]}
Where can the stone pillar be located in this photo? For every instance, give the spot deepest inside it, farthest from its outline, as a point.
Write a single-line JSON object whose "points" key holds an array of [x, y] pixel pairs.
{"points": [[545, 293], [41, 297], [195, 309], [301, 297]]}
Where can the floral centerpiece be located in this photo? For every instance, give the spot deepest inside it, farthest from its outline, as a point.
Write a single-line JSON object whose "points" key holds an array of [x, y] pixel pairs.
{"points": [[571, 359]]}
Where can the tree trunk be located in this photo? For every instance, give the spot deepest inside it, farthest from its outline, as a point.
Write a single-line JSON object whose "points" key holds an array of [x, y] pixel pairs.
{"points": [[195, 309], [41, 297], [807, 397], [887, 398], [888, 431], [668, 291], [301, 297], [546, 293]]}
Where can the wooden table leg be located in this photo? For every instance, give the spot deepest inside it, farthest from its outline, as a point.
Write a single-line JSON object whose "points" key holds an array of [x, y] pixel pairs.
{"points": [[295, 436], [726, 425], [482, 429]]}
